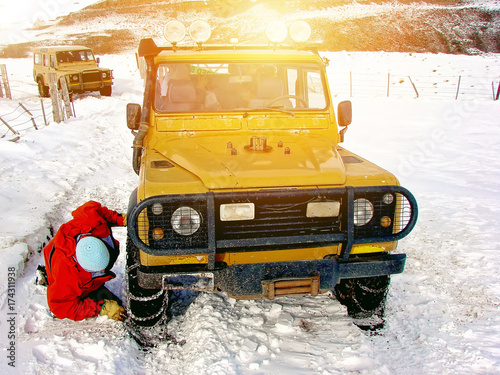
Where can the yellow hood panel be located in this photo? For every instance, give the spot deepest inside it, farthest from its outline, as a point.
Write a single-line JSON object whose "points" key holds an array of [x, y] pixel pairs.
{"points": [[311, 161]]}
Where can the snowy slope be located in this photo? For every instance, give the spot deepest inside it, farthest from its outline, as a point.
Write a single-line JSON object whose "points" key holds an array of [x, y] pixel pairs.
{"points": [[442, 312]]}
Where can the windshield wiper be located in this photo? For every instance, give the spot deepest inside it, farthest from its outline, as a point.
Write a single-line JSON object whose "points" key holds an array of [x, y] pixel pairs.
{"points": [[273, 109]]}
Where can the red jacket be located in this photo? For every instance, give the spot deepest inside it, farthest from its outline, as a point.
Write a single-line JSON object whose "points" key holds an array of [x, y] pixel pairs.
{"points": [[69, 283]]}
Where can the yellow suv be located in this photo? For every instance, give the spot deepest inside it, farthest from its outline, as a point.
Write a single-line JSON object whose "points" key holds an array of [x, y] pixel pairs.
{"points": [[76, 63], [243, 186]]}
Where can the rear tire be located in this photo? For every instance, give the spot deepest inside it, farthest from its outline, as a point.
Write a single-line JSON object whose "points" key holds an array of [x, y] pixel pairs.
{"points": [[365, 299]]}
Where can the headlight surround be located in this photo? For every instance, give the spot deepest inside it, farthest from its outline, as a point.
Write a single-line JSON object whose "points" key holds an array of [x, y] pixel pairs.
{"points": [[105, 75], [185, 221], [74, 78], [363, 211]]}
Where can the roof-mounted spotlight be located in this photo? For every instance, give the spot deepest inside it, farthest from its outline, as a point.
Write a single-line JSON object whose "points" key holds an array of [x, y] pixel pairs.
{"points": [[300, 31], [200, 31], [276, 31], [174, 32]]}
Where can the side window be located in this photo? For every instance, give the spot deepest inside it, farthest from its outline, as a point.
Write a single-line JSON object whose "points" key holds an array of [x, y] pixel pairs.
{"points": [[37, 59], [45, 60], [315, 93], [52, 61], [292, 84]]}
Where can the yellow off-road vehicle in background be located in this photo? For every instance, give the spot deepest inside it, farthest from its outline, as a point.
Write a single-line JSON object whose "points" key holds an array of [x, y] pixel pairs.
{"points": [[243, 186], [76, 63]]}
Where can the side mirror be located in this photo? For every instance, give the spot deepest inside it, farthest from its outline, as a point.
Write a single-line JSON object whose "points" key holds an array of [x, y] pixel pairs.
{"points": [[98, 60], [133, 116], [344, 113]]}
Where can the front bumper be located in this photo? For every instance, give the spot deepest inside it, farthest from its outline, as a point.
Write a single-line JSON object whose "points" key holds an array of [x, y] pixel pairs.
{"points": [[90, 80], [250, 280], [280, 223]]}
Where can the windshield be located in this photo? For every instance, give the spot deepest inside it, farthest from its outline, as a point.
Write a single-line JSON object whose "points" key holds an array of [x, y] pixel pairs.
{"points": [[74, 56], [223, 87]]}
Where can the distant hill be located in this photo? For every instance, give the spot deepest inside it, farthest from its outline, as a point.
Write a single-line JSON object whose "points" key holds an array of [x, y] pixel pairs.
{"points": [[116, 26]]}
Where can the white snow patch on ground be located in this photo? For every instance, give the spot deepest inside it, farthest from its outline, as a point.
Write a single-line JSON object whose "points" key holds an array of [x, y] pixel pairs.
{"points": [[442, 312]]}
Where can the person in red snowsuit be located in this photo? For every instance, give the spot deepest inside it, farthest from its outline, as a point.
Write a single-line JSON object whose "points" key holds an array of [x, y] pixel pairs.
{"points": [[74, 292]]}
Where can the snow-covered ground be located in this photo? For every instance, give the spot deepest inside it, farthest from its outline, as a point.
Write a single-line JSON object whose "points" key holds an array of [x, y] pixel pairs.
{"points": [[442, 313]]}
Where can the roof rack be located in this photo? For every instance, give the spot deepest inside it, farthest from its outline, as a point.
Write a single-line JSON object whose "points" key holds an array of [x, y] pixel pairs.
{"points": [[148, 47]]}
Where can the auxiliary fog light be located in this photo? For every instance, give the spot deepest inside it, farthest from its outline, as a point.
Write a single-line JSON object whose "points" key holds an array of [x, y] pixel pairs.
{"points": [[323, 209], [157, 209], [300, 31], [385, 221], [363, 211], [237, 211], [185, 221], [174, 31], [276, 31], [158, 233], [388, 198], [200, 31]]}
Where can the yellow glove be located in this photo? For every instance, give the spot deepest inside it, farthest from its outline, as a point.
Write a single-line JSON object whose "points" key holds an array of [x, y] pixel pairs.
{"points": [[113, 310]]}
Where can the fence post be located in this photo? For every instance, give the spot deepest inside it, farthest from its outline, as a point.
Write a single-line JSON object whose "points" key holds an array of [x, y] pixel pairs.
{"points": [[5, 81], [8, 126], [43, 112], [458, 87], [350, 83], [54, 95], [29, 113], [65, 96], [414, 87], [388, 82]]}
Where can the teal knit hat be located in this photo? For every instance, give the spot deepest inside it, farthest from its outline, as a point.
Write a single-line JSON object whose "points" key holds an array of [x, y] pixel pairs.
{"points": [[92, 254]]}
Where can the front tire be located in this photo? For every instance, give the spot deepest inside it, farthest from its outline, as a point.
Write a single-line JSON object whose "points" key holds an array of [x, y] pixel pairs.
{"points": [[146, 307], [365, 299], [105, 91], [42, 89]]}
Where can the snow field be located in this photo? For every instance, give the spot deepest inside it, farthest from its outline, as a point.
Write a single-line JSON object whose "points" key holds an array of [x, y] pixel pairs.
{"points": [[442, 312]]}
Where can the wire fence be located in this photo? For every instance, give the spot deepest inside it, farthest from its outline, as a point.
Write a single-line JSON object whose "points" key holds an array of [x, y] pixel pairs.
{"points": [[346, 84], [25, 117], [441, 87]]}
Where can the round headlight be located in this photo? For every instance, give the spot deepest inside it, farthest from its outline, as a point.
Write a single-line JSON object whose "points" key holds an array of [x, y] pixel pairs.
{"points": [[185, 221], [200, 31], [174, 31], [300, 31], [363, 211], [276, 31]]}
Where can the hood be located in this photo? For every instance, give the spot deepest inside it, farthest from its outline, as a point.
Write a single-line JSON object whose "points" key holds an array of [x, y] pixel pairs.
{"points": [[311, 161], [77, 67]]}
